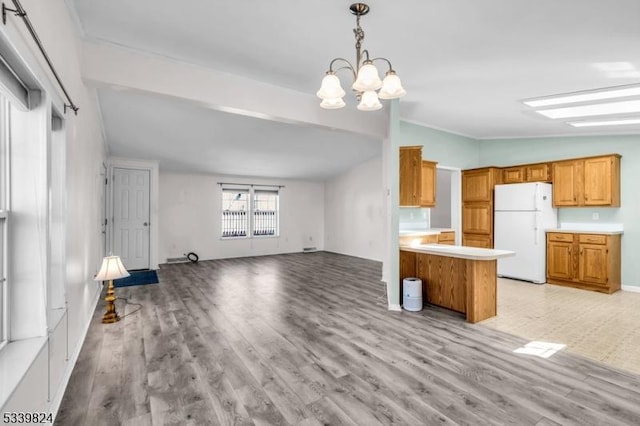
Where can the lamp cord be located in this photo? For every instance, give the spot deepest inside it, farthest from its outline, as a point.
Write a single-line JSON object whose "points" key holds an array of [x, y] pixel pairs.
{"points": [[126, 301]]}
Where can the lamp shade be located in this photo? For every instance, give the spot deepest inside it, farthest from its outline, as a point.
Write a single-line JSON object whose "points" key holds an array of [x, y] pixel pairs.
{"points": [[111, 269], [330, 87], [391, 87], [367, 79], [369, 101], [332, 103]]}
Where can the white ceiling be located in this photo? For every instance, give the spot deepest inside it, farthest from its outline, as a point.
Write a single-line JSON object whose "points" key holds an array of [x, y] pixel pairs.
{"points": [[466, 64]]}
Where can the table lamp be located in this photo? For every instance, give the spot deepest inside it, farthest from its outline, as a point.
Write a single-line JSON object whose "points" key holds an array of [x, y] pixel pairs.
{"points": [[111, 269]]}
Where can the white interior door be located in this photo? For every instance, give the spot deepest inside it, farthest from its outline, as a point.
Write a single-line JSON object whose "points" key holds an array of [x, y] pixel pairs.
{"points": [[131, 217]]}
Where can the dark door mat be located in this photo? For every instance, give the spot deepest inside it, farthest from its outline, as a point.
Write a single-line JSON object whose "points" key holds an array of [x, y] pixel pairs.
{"points": [[137, 278]]}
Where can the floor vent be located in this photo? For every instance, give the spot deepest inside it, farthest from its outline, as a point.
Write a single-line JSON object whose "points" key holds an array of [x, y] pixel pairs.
{"points": [[177, 259], [309, 249]]}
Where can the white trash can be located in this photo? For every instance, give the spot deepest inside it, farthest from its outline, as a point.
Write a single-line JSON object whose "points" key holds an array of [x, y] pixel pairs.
{"points": [[412, 294]]}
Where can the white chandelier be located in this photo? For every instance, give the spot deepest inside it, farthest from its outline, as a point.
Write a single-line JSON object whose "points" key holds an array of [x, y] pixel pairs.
{"points": [[365, 76]]}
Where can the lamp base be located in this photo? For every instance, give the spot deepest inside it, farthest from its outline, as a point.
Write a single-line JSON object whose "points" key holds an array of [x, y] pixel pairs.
{"points": [[111, 315], [110, 318]]}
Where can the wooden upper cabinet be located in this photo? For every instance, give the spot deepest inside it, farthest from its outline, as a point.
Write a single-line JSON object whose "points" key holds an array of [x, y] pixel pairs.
{"points": [[567, 183], [537, 173], [593, 181], [477, 184], [513, 174], [417, 178], [428, 184], [410, 170], [602, 181]]}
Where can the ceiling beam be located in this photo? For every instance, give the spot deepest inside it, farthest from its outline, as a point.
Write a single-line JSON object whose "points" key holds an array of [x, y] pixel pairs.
{"points": [[106, 65]]}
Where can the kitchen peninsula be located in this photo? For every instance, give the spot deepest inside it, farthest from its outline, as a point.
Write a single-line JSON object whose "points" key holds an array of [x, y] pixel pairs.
{"points": [[459, 278]]}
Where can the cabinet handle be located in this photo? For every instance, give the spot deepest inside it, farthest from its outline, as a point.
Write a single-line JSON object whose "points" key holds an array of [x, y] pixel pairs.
{"points": [[580, 251]]}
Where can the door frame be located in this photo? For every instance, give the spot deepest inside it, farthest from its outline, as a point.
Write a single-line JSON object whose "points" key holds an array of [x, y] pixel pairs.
{"points": [[153, 168], [456, 200]]}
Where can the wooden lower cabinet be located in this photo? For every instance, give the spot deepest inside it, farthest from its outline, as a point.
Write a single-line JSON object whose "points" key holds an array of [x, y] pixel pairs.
{"points": [[447, 237], [443, 280], [407, 267], [589, 261]]}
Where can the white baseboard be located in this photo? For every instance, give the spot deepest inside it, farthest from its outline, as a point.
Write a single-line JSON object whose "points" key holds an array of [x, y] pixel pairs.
{"points": [[57, 398], [631, 288], [394, 307]]}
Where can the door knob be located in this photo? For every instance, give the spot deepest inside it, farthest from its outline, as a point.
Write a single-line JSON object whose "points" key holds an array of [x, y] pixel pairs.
{"points": [[145, 224]]}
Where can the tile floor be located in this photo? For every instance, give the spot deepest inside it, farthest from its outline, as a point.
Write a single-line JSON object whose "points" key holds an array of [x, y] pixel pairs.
{"points": [[598, 326]]}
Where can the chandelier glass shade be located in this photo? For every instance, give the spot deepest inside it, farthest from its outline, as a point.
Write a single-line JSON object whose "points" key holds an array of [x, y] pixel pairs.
{"points": [[367, 85]]}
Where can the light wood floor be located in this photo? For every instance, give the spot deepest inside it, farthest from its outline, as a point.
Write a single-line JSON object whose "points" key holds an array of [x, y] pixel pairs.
{"points": [[603, 327], [306, 339]]}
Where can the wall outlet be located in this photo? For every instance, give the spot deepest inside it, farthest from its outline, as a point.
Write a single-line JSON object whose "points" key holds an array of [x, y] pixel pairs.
{"points": [[595, 216]]}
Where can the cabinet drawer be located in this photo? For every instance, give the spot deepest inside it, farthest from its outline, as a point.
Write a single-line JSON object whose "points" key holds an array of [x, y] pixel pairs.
{"points": [[557, 236], [446, 237], [593, 239]]}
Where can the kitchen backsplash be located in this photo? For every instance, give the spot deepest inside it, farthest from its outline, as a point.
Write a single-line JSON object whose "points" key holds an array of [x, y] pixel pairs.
{"points": [[414, 219]]}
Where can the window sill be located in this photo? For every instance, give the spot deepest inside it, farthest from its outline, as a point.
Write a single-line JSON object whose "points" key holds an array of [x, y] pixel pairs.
{"points": [[15, 360]]}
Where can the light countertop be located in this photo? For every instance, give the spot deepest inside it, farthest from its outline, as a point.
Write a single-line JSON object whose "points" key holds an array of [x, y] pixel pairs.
{"points": [[424, 232], [462, 252], [586, 231]]}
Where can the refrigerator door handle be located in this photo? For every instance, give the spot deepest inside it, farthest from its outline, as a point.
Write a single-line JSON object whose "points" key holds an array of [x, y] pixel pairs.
{"points": [[536, 227], [536, 199]]}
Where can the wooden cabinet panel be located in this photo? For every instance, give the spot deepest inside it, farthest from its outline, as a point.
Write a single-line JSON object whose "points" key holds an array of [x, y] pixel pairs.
{"points": [[447, 237], [592, 239], [513, 175], [443, 280], [567, 181], [428, 184], [557, 236], [587, 182], [407, 267], [560, 260], [589, 261], [417, 178], [593, 264], [538, 173], [477, 218], [410, 182], [477, 185], [476, 240], [601, 181]]}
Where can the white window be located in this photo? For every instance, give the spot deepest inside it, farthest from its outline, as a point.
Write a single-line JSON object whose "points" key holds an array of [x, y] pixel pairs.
{"points": [[235, 209], [265, 212], [250, 212]]}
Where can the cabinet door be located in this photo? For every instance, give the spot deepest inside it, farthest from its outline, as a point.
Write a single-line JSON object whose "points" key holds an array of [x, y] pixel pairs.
{"points": [[475, 240], [560, 260], [410, 165], [538, 173], [428, 187], [598, 181], [431, 289], [593, 264], [513, 175], [477, 185], [567, 183], [477, 218]]}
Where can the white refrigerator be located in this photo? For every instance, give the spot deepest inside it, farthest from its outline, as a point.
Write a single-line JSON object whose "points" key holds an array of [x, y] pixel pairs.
{"points": [[522, 213]]}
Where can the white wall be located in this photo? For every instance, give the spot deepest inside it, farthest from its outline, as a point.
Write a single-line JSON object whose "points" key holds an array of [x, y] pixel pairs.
{"points": [[189, 214], [85, 152], [354, 212]]}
